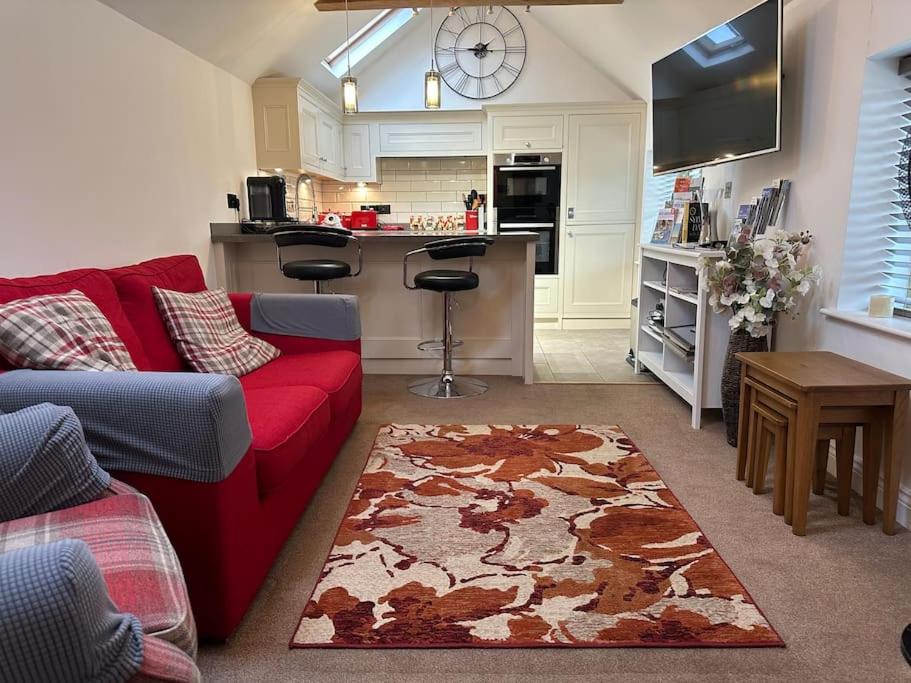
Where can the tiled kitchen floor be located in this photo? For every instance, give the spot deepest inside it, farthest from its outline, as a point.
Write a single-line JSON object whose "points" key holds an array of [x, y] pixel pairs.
{"points": [[585, 357]]}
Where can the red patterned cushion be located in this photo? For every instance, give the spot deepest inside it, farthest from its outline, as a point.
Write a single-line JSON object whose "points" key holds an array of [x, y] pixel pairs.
{"points": [[60, 332], [134, 554], [161, 661], [207, 334]]}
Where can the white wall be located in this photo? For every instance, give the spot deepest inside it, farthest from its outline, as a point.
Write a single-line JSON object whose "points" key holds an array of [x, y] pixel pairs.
{"points": [[117, 145], [827, 44], [553, 72]]}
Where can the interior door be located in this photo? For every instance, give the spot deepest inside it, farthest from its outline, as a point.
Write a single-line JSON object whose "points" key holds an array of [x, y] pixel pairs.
{"points": [[602, 168], [597, 278]]}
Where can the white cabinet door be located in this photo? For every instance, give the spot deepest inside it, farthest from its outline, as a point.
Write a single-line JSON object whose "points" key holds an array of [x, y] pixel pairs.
{"points": [[597, 273], [515, 133], [602, 168], [329, 143], [356, 144], [308, 123]]}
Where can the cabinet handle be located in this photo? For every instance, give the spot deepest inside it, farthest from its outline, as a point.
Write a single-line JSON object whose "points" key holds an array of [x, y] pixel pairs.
{"points": [[571, 213], [528, 144], [570, 233]]}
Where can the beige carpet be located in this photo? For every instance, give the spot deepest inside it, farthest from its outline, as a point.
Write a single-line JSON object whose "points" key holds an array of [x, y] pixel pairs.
{"points": [[838, 597]]}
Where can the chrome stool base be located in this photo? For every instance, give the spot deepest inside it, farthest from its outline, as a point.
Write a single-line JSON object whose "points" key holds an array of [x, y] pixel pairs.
{"points": [[439, 387]]}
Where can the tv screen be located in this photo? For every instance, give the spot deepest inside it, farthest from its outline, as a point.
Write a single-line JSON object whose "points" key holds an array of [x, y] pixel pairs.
{"points": [[717, 98]]}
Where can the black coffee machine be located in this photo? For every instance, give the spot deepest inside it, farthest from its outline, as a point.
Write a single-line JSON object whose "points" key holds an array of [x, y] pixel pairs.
{"points": [[266, 198]]}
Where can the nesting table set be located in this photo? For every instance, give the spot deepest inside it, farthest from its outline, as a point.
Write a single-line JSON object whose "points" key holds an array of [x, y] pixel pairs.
{"points": [[800, 401]]}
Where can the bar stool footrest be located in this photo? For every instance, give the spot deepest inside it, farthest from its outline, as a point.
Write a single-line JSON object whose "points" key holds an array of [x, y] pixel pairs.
{"points": [[437, 344]]}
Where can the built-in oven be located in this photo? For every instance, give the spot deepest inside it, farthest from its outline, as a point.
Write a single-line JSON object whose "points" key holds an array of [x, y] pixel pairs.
{"points": [[545, 225], [527, 197], [526, 180]]}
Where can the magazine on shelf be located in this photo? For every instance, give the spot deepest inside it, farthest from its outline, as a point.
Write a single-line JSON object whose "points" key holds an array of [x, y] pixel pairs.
{"points": [[683, 336], [664, 227]]}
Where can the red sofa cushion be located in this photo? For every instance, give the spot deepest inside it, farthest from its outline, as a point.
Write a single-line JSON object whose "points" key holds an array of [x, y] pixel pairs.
{"points": [[287, 422], [96, 286], [134, 286], [338, 373]]}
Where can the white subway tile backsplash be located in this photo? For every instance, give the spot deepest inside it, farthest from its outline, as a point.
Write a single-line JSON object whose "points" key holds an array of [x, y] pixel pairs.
{"points": [[426, 207], [428, 185], [410, 196]]}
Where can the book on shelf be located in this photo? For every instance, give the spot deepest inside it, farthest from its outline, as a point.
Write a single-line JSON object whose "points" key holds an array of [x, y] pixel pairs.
{"points": [[763, 211], [664, 227]]}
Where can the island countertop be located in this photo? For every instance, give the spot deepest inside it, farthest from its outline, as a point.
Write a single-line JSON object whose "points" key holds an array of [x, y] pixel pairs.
{"points": [[231, 233], [494, 320]]}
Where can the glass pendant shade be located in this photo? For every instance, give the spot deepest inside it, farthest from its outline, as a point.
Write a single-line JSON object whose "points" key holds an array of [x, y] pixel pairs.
{"points": [[349, 95], [432, 90]]}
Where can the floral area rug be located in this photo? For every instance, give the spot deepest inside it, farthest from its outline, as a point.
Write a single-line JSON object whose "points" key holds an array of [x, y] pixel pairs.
{"points": [[522, 536]]}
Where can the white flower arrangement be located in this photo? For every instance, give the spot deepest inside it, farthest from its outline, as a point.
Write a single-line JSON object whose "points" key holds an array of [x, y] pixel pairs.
{"points": [[758, 279]]}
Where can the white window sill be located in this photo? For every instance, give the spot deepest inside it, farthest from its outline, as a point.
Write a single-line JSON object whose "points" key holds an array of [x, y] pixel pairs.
{"points": [[897, 326]]}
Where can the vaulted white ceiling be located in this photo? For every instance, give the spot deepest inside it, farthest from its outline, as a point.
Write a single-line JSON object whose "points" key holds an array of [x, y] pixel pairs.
{"points": [[253, 38]]}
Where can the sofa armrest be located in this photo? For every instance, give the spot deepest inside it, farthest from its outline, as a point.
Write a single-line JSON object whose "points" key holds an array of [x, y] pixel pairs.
{"points": [[173, 424], [57, 621], [286, 320]]}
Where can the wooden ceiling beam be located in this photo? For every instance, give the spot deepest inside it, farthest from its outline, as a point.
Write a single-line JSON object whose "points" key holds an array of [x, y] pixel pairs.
{"points": [[339, 5]]}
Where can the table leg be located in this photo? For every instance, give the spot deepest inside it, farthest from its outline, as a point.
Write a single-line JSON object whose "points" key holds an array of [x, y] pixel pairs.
{"points": [[821, 462], [807, 427], [873, 449], [893, 443], [743, 424], [789, 469], [780, 477], [844, 463]]}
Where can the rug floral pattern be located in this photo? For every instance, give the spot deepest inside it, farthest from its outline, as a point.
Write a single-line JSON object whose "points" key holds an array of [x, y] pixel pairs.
{"points": [[537, 535]]}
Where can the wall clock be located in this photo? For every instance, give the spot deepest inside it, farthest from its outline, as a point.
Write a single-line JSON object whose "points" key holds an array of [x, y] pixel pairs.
{"points": [[480, 55]]}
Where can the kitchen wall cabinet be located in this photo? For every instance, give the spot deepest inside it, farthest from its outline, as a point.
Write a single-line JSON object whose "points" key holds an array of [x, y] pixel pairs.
{"points": [[514, 133], [431, 139], [602, 168], [356, 146], [597, 270], [298, 129], [329, 144]]}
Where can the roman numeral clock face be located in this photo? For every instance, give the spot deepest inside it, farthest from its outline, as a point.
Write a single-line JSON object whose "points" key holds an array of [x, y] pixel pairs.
{"points": [[480, 55]]}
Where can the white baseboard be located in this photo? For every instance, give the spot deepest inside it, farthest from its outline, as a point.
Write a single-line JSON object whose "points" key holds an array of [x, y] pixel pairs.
{"points": [[903, 511]]}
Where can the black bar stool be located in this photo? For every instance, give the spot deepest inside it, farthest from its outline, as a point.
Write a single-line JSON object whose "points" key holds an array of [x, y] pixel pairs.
{"points": [[317, 270], [447, 282]]}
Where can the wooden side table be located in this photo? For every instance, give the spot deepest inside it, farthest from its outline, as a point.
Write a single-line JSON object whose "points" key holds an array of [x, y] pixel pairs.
{"points": [[823, 382]]}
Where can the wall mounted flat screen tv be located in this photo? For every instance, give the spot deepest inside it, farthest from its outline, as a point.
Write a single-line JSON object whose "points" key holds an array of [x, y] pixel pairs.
{"points": [[718, 98]]}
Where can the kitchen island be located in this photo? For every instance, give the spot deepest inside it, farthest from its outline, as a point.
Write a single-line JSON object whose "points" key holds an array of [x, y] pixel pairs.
{"points": [[495, 321]]}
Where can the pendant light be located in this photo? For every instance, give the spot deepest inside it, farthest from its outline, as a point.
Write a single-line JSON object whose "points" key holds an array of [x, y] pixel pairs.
{"points": [[432, 77], [349, 83]]}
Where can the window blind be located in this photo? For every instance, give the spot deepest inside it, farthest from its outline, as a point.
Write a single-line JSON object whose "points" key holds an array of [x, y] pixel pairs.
{"points": [[897, 272]]}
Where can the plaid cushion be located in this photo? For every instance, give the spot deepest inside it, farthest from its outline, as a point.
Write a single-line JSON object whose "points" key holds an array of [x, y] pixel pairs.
{"points": [[136, 559], [60, 332], [205, 329], [161, 661]]}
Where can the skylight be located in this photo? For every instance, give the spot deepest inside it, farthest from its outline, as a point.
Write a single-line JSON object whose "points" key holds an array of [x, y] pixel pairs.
{"points": [[723, 34], [366, 40]]}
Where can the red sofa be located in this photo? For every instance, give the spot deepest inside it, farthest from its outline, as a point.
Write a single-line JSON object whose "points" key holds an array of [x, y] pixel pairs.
{"points": [[301, 407]]}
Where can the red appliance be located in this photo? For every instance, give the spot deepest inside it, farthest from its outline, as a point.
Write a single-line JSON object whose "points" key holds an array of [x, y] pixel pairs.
{"points": [[471, 220], [363, 220]]}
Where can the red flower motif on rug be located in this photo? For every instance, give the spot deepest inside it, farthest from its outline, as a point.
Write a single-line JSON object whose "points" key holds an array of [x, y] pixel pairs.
{"points": [[522, 536]]}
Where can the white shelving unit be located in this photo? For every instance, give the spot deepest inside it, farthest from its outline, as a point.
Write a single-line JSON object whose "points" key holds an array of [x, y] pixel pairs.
{"points": [[698, 380]]}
